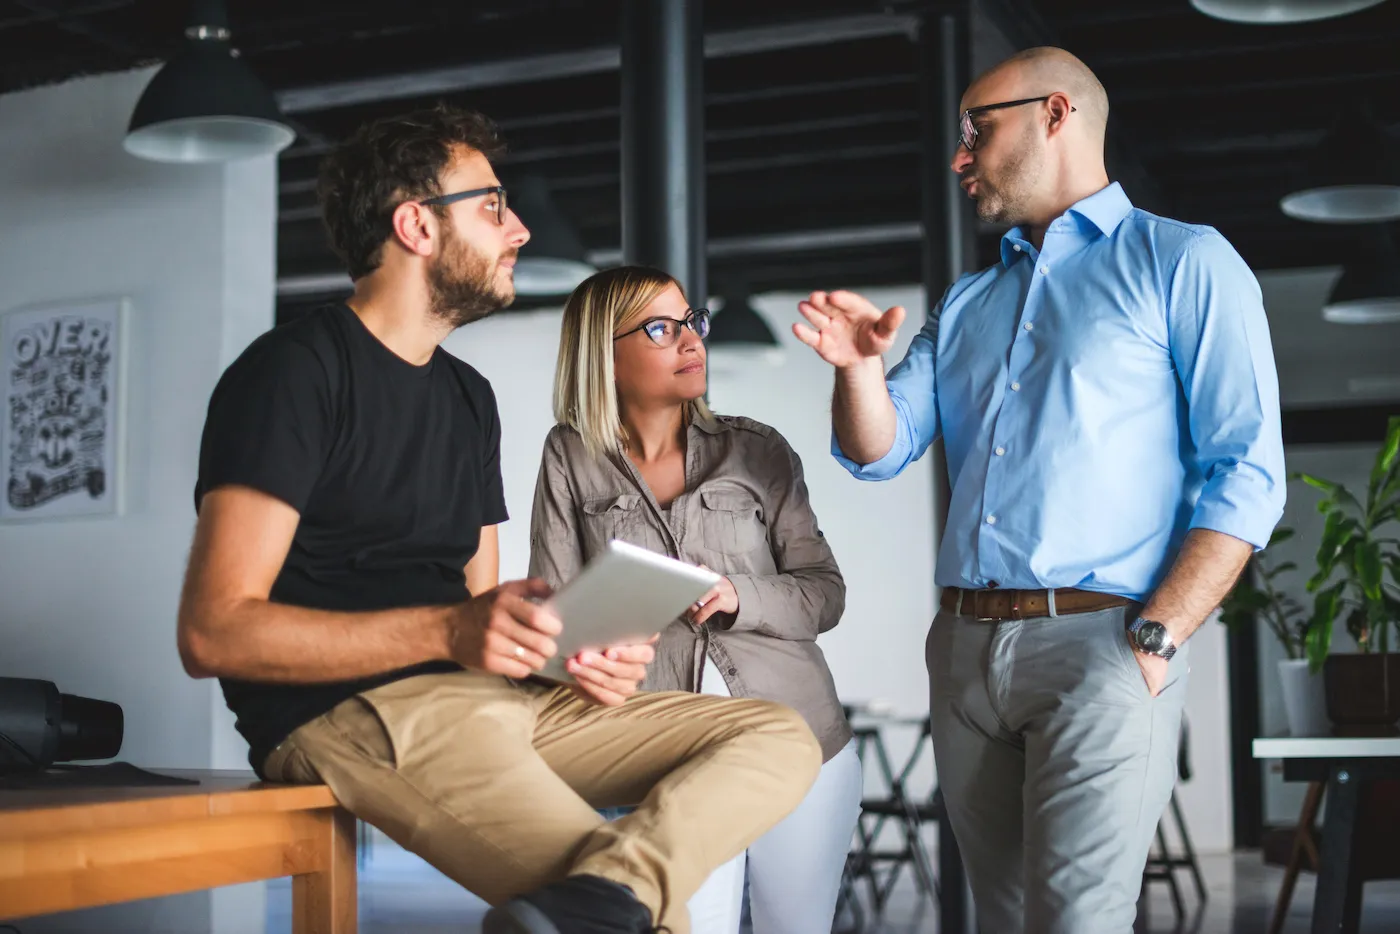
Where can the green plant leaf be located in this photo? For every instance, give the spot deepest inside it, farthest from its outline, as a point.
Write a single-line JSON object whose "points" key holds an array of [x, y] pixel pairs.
{"points": [[1318, 637], [1367, 564], [1335, 538], [1386, 456], [1271, 573], [1281, 534], [1335, 491], [1318, 643]]}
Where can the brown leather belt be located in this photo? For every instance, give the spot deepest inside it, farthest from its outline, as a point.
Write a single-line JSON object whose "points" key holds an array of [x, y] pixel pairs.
{"points": [[1025, 604]]}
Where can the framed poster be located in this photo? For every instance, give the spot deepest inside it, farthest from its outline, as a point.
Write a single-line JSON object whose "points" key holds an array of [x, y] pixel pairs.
{"points": [[62, 401]]}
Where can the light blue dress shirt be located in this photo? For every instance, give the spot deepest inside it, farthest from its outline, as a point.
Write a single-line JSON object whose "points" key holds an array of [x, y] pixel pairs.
{"points": [[1098, 398]]}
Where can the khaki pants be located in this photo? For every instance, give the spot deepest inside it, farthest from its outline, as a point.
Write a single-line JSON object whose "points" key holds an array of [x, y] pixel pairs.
{"points": [[496, 782]]}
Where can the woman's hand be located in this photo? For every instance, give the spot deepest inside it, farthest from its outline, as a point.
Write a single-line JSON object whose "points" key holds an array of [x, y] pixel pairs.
{"points": [[721, 598]]}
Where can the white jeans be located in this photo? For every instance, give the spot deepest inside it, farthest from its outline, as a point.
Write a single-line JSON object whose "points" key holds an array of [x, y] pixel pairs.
{"points": [[794, 870]]}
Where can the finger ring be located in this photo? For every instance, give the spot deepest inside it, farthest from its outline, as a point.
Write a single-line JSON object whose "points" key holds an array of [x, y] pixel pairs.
{"points": [[519, 651]]}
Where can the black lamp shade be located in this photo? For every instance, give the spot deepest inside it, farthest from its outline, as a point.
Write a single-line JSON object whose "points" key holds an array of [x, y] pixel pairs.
{"points": [[1352, 178], [1368, 292], [554, 261], [205, 105], [737, 324]]}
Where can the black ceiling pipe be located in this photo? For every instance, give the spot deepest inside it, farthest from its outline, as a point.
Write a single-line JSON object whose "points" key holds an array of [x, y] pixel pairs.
{"points": [[663, 161]]}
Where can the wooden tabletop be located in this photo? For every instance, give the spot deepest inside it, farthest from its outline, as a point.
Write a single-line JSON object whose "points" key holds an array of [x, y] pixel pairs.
{"points": [[29, 812], [1328, 747]]}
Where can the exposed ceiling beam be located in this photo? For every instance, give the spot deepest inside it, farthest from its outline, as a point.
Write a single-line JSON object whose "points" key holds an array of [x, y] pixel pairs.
{"points": [[1311, 44], [72, 10], [1382, 77], [71, 21], [582, 62], [840, 123]]}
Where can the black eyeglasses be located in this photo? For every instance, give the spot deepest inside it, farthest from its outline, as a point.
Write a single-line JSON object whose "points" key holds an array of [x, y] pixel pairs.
{"points": [[967, 133], [666, 331], [497, 190]]}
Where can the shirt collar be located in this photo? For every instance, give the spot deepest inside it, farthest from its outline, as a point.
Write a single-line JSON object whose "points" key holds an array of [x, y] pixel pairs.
{"points": [[710, 426], [1104, 209]]}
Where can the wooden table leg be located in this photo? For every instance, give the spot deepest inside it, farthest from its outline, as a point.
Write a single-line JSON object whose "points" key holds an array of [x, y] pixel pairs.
{"points": [[1337, 907], [1302, 846], [327, 902]]}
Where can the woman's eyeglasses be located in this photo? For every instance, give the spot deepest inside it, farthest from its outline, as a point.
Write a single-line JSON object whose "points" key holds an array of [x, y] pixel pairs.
{"points": [[664, 332]]}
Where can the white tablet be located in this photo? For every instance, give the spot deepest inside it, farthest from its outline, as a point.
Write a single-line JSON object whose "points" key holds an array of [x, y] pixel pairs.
{"points": [[623, 596]]}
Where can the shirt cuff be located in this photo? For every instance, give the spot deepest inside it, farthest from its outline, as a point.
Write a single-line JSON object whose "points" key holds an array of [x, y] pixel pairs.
{"points": [[750, 602], [1248, 516], [895, 459]]}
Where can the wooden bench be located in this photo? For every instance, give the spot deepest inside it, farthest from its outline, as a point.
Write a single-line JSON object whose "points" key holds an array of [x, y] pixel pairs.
{"points": [[80, 847]]}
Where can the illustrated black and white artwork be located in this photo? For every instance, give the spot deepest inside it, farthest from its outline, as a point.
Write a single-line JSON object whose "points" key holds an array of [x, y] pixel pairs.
{"points": [[61, 434]]}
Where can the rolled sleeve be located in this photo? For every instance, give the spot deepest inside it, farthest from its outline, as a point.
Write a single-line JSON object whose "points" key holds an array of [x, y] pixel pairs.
{"points": [[1223, 354], [913, 390]]}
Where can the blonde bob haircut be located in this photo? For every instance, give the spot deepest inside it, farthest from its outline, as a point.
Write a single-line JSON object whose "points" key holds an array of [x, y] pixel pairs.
{"points": [[585, 394]]}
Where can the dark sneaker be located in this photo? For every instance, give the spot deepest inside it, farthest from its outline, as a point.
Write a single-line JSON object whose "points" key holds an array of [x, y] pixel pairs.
{"points": [[578, 905]]}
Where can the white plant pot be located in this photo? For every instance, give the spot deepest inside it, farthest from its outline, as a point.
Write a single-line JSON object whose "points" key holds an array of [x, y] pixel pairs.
{"points": [[1303, 698]]}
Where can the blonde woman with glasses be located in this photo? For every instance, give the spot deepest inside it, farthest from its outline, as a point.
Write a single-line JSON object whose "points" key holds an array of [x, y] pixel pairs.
{"points": [[638, 456]]}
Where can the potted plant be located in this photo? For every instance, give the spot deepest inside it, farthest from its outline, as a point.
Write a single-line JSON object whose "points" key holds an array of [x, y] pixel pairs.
{"points": [[1359, 551], [1256, 597]]}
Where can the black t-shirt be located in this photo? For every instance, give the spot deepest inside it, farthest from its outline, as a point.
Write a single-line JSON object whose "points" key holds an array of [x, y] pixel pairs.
{"points": [[393, 467]]}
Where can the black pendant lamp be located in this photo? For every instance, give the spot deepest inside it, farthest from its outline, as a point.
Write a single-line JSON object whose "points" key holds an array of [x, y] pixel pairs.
{"points": [[205, 104], [1271, 12], [1352, 178], [554, 261], [739, 335], [1368, 291]]}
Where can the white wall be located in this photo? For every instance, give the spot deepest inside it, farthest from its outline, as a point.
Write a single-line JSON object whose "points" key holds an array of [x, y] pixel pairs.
{"points": [[90, 604]]}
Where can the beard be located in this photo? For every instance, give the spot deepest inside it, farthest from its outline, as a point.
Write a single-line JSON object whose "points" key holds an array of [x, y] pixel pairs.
{"points": [[462, 283], [1006, 200]]}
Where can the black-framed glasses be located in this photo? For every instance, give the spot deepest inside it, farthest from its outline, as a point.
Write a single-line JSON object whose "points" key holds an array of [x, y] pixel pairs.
{"points": [[498, 190], [666, 331], [967, 132]]}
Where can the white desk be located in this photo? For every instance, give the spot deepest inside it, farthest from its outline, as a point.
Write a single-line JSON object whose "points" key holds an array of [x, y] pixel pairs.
{"points": [[1327, 747], [1347, 765]]}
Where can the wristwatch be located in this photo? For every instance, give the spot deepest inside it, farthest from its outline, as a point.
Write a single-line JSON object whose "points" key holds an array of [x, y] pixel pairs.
{"points": [[1151, 638]]}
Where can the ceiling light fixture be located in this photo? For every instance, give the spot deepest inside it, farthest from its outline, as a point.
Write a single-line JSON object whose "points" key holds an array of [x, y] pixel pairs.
{"points": [[1273, 12], [205, 105]]}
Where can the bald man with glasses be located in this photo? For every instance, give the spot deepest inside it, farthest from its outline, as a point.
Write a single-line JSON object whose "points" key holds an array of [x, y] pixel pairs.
{"points": [[1108, 401]]}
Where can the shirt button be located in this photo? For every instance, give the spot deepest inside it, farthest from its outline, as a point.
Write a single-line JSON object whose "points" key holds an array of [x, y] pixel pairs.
{"points": [[1001, 451], [1030, 326], [1015, 387], [1016, 247], [993, 585], [1045, 270], [733, 672], [991, 520]]}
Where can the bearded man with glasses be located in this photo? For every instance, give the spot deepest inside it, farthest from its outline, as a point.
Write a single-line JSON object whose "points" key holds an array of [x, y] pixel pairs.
{"points": [[1108, 401], [343, 586]]}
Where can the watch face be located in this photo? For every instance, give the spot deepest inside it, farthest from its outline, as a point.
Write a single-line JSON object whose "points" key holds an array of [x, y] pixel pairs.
{"points": [[1151, 636]]}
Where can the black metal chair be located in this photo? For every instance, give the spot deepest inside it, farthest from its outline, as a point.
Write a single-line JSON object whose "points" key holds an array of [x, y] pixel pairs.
{"points": [[879, 867], [1162, 864]]}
